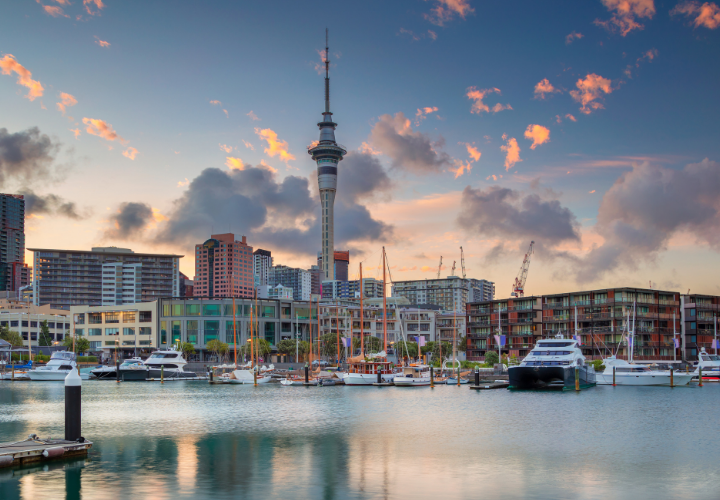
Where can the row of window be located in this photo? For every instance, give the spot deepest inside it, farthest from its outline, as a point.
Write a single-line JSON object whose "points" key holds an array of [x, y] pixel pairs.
{"points": [[217, 310], [93, 332], [98, 318], [35, 324]]}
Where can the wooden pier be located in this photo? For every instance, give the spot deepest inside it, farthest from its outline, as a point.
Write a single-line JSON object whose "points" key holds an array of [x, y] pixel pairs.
{"points": [[34, 449]]}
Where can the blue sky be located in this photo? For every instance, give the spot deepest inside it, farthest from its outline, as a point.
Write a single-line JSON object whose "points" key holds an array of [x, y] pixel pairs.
{"points": [[164, 64]]}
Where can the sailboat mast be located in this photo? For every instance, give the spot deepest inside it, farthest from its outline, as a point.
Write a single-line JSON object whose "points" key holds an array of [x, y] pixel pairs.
{"points": [[337, 330], [318, 332], [235, 346], [252, 357], [384, 306], [362, 315], [257, 337], [311, 333]]}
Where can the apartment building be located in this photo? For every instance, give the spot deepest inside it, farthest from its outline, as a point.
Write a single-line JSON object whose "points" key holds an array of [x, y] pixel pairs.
{"points": [[224, 267], [699, 324], [14, 273], [124, 330], [448, 324], [24, 318], [451, 293], [262, 263], [275, 292], [300, 280], [336, 289], [65, 278]]}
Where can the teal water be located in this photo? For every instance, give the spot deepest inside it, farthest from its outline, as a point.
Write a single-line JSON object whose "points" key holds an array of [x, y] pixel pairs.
{"points": [[192, 440]]}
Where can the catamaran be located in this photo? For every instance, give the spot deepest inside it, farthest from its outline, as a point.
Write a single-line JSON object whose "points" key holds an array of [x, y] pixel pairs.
{"points": [[552, 364]]}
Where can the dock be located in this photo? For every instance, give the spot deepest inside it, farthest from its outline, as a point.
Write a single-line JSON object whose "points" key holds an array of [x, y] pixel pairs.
{"points": [[490, 385], [34, 449]]}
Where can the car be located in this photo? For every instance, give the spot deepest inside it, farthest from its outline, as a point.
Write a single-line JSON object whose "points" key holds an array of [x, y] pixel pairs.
{"points": [[322, 362]]}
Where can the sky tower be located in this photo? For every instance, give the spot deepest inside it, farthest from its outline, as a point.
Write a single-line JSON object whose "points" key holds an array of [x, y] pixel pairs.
{"points": [[327, 153]]}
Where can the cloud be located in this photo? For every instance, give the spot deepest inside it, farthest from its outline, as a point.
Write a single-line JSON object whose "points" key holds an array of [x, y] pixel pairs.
{"points": [[538, 134], [274, 147], [8, 64], [362, 176], [509, 214], [267, 167], [102, 43], [54, 10], [706, 15], [591, 192], [98, 5], [248, 145], [66, 101], [253, 116], [544, 87], [637, 221], [624, 14], [422, 114], [512, 152], [226, 113], [184, 183], [432, 35], [48, 205], [472, 151], [648, 55], [102, 129], [409, 150], [215, 103], [572, 37], [226, 148], [479, 106], [364, 148], [590, 89], [234, 163], [416, 37], [130, 152], [445, 10], [76, 132], [130, 221], [26, 156], [570, 117]]}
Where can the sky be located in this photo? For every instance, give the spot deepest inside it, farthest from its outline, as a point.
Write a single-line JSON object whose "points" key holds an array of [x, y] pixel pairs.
{"points": [[590, 128]]}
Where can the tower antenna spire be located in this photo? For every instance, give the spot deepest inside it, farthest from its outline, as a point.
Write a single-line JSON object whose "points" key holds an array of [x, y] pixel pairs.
{"points": [[327, 73]]}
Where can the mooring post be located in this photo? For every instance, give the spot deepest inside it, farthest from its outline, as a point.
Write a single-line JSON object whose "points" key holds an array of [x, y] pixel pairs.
{"points": [[379, 376], [577, 378], [210, 375], [162, 374], [73, 403], [12, 377], [700, 376], [255, 376], [477, 377], [613, 376], [117, 371], [307, 380], [458, 374], [672, 382], [432, 377]]}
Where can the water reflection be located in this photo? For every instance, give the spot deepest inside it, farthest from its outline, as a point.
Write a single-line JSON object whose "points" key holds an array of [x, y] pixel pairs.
{"points": [[192, 440]]}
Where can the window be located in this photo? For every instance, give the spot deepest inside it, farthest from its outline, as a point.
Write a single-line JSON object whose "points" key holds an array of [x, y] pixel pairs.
{"points": [[112, 331], [192, 331], [211, 310], [145, 316], [145, 330], [176, 332], [693, 325], [192, 309], [128, 317], [80, 319], [178, 309], [212, 329], [94, 331], [268, 312], [112, 317], [128, 331]]}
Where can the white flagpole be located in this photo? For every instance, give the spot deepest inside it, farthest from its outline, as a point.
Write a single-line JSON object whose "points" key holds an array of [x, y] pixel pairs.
{"points": [[499, 335]]}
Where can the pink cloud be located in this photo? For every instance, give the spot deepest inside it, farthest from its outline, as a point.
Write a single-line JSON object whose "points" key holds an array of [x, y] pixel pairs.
{"points": [[66, 101], [473, 152], [226, 113], [215, 103], [422, 114], [102, 43], [226, 148], [8, 64], [544, 87], [130, 153], [479, 106], [570, 117], [445, 10], [234, 163], [97, 3], [248, 145], [275, 147], [624, 14], [572, 37], [460, 167], [706, 15], [102, 129], [76, 132], [54, 11], [512, 152], [253, 116], [590, 89], [538, 134]]}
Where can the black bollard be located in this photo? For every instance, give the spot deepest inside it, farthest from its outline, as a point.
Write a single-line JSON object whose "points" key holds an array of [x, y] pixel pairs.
{"points": [[210, 376], [307, 380], [477, 377], [379, 376], [117, 371], [432, 377], [73, 397]]}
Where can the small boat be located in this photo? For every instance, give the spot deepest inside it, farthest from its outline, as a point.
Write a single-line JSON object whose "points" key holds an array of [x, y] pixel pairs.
{"points": [[108, 372], [20, 372], [363, 370], [636, 374], [710, 364], [551, 365], [60, 364], [453, 381], [292, 381], [247, 377], [413, 375]]}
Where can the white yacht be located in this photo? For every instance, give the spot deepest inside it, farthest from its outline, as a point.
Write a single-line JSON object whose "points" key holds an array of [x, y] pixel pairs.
{"points": [[551, 365], [413, 375], [61, 362], [247, 377], [171, 362], [635, 374], [710, 364]]}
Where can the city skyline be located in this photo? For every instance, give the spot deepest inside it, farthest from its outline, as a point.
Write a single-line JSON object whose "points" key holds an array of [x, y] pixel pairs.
{"points": [[590, 132]]}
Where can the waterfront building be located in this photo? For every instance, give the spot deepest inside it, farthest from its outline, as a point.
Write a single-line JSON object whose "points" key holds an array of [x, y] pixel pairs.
{"points": [[199, 320], [300, 280], [262, 263], [24, 318], [336, 289], [315, 280], [124, 329], [341, 264], [275, 292], [327, 154], [447, 322], [14, 273], [65, 278], [698, 326], [224, 267], [451, 293], [601, 319]]}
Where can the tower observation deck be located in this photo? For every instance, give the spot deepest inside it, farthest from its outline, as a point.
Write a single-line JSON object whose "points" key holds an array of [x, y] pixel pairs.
{"points": [[327, 153]]}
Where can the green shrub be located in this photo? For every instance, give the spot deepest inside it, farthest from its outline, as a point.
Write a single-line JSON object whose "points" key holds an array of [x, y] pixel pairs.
{"points": [[598, 364], [491, 358], [87, 359]]}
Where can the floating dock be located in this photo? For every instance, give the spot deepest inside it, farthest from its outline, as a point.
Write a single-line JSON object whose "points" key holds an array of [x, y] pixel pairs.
{"points": [[34, 449]]}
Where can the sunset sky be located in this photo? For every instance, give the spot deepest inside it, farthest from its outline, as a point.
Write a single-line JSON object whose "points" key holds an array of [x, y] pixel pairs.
{"points": [[589, 127]]}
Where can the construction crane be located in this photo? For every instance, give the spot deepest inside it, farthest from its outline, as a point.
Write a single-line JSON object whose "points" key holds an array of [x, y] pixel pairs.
{"points": [[453, 269], [439, 267], [519, 285], [462, 262]]}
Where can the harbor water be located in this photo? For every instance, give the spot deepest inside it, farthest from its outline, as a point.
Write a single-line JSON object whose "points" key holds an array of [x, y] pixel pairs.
{"points": [[192, 440]]}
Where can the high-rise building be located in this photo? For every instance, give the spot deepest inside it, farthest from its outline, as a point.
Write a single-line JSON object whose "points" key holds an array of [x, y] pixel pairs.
{"points": [[186, 286], [315, 280], [451, 293], [224, 267], [14, 273], [262, 262], [341, 264], [337, 289], [327, 153], [65, 278], [298, 279]]}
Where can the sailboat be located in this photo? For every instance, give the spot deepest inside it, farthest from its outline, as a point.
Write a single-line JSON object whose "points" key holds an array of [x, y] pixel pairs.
{"points": [[247, 375]]}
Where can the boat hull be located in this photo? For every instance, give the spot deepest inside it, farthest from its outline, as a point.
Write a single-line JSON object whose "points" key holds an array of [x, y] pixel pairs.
{"points": [[366, 378], [549, 377], [643, 379], [53, 375], [105, 374], [170, 374], [411, 381], [133, 375], [18, 376]]}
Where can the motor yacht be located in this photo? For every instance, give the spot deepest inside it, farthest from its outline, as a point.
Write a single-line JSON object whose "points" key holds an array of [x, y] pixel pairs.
{"points": [[133, 369], [636, 374], [710, 364], [247, 377], [551, 364], [363, 370], [169, 364], [412, 376], [61, 362]]}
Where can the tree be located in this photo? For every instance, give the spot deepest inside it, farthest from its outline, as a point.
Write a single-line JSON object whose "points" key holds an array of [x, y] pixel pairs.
{"points": [[44, 339], [491, 358], [217, 347], [403, 349], [263, 347], [288, 347], [81, 343], [11, 336], [462, 343], [372, 343], [186, 348]]}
